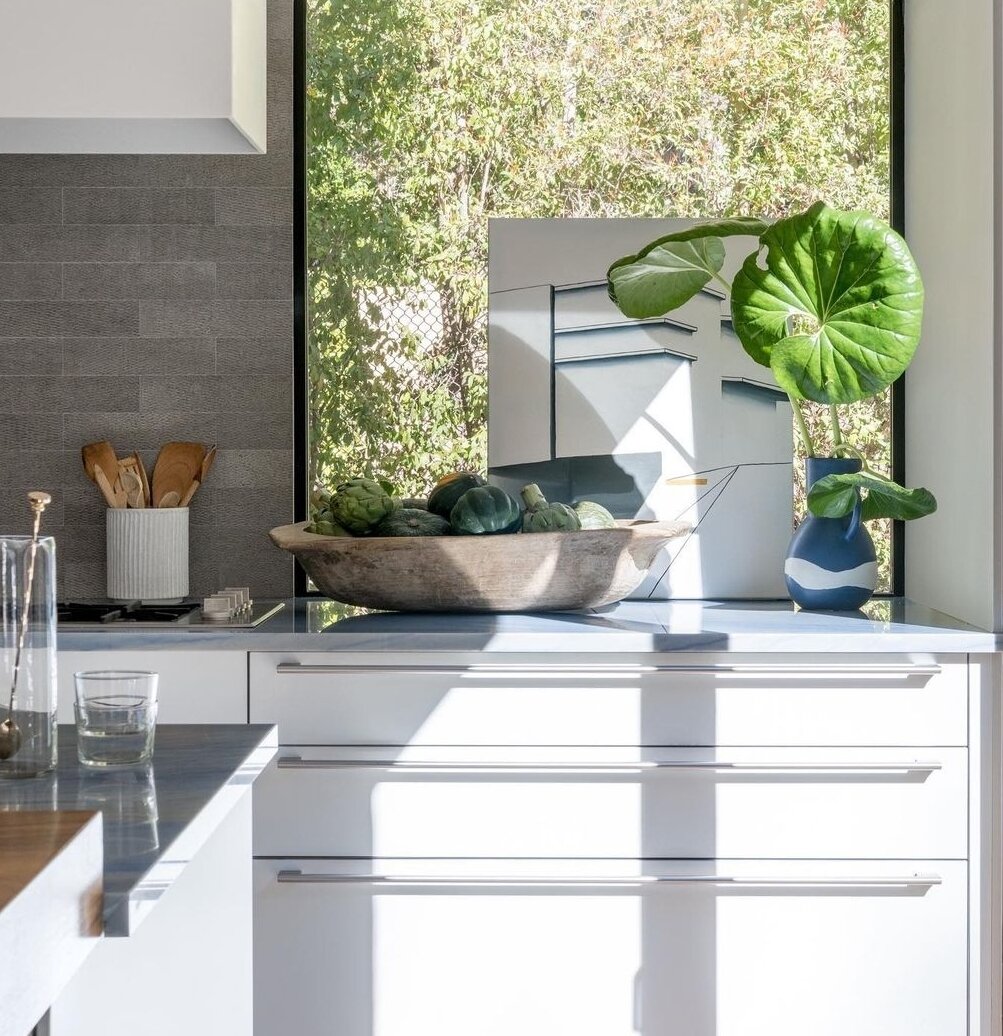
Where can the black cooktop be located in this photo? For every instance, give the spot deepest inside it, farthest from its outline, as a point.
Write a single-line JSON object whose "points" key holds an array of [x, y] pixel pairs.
{"points": [[132, 611]]}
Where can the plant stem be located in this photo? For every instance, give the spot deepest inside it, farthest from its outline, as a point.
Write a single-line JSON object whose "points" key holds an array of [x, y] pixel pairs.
{"points": [[837, 435], [802, 427], [723, 283]]}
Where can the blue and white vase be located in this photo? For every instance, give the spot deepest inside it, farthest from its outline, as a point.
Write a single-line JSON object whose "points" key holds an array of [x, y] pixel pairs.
{"points": [[831, 564]]}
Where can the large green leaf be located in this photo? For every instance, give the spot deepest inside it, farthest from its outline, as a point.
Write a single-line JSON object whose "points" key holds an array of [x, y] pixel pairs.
{"points": [[836, 313], [835, 495], [672, 269]]}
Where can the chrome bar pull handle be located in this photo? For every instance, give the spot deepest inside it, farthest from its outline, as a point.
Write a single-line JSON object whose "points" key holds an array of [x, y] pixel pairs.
{"points": [[627, 671], [295, 762], [907, 881]]}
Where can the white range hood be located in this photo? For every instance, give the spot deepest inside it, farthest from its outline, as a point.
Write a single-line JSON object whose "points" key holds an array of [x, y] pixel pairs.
{"points": [[132, 76]]}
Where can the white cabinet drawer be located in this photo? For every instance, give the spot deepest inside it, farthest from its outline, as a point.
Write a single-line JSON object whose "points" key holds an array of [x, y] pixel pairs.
{"points": [[752, 803], [196, 686], [692, 948], [323, 699]]}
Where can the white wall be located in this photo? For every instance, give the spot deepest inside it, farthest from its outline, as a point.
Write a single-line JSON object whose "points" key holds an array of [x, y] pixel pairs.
{"points": [[952, 556]]}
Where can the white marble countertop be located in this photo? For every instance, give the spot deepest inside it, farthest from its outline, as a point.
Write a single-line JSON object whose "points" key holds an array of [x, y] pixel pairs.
{"points": [[317, 624]]}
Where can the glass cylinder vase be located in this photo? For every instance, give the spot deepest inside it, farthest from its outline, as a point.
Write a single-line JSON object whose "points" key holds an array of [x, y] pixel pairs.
{"points": [[28, 654]]}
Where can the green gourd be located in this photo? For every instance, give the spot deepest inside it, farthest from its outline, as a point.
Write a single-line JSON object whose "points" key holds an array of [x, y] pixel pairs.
{"points": [[448, 490], [594, 516], [358, 504], [412, 521], [484, 510], [543, 516]]}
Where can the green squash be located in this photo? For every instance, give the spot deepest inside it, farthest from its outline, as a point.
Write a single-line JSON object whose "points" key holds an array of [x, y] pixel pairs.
{"points": [[484, 510], [543, 516], [325, 527], [412, 521], [419, 503], [594, 516], [448, 490], [358, 504]]}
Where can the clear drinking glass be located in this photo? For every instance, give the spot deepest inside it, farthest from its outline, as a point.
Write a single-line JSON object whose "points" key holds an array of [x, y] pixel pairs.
{"points": [[116, 714], [29, 645]]}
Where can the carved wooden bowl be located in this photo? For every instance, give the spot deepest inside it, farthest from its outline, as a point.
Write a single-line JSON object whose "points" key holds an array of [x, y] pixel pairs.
{"points": [[525, 572]]}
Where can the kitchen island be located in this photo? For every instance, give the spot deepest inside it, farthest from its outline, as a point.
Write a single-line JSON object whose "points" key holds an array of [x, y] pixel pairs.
{"points": [[176, 879], [716, 817]]}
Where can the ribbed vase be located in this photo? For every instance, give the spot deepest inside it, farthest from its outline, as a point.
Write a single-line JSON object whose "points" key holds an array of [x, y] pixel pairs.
{"points": [[831, 564], [147, 553]]}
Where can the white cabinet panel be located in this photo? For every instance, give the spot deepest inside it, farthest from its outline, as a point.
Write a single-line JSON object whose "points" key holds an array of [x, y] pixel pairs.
{"points": [[325, 699], [751, 949], [195, 686], [752, 803]]}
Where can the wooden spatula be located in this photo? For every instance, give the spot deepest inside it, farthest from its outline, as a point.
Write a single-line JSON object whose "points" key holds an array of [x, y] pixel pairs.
{"points": [[101, 466], [178, 465], [131, 476]]}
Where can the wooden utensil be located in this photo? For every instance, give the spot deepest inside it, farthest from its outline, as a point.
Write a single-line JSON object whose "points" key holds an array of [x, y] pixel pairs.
{"points": [[178, 465], [99, 457], [169, 499], [110, 494], [133, 486], [141, 467], [187, 498], [207, 463]]}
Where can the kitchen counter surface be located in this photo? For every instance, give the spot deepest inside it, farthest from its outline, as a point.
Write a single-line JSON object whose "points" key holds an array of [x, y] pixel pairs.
{"points": [[155, 818], [308, 624]]}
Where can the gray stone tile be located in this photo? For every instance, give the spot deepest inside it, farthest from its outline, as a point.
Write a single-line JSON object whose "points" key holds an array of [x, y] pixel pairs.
{"points": [[145, 432], [59, 395], [265, 319], [51, 319], [175, 318], [254, 280], [236, 356], [280, 19], [254, 206], [45, 467], [23, 243], [251, 395], [31, 205], [139, 280], [270, 574], [181, 395], [83, 506], [138, 205], [257, 469], [31, 431], [90, 357], [30, 280], [249, 430], [29, 357], [85, 541], [224, 244], [108, 395], [257, 508], [78, 579]]}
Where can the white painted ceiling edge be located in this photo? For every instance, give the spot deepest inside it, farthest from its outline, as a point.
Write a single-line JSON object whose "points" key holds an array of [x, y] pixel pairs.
{"points": [[953, 393], [133, 76]]}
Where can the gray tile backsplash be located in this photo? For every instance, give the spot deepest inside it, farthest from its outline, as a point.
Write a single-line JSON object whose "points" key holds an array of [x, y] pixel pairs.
{"points": [[145, 298]]}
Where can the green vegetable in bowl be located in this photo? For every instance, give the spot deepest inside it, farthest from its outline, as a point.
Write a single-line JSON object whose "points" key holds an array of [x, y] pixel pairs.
{"points": [[448, 490], [484, 510], [543, 516], [594, 516], [412, 521], [360, 503]]}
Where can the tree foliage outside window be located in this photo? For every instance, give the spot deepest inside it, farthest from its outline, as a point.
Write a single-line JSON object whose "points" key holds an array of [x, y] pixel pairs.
{"points": [[427, 117]]}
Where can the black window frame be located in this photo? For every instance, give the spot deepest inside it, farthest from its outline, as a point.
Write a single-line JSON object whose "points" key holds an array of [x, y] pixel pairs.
{"points": [[301, 433]]}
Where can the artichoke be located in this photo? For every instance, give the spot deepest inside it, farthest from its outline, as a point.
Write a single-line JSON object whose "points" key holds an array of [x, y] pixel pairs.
{"points": [[360, 503], [543, 516], [594, 516]]}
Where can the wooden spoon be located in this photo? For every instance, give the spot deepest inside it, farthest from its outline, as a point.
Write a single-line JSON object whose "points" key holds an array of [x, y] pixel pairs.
{"points": [[100, 457], [178, 465], [169, 499], [133, 486]]}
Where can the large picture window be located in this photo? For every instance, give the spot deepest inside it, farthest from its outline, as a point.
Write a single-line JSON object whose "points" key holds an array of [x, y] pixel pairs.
{"points": [[426, 117]]}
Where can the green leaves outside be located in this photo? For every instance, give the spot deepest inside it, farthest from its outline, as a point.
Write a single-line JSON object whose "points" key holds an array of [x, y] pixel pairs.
{"points": [[835, 496]]}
